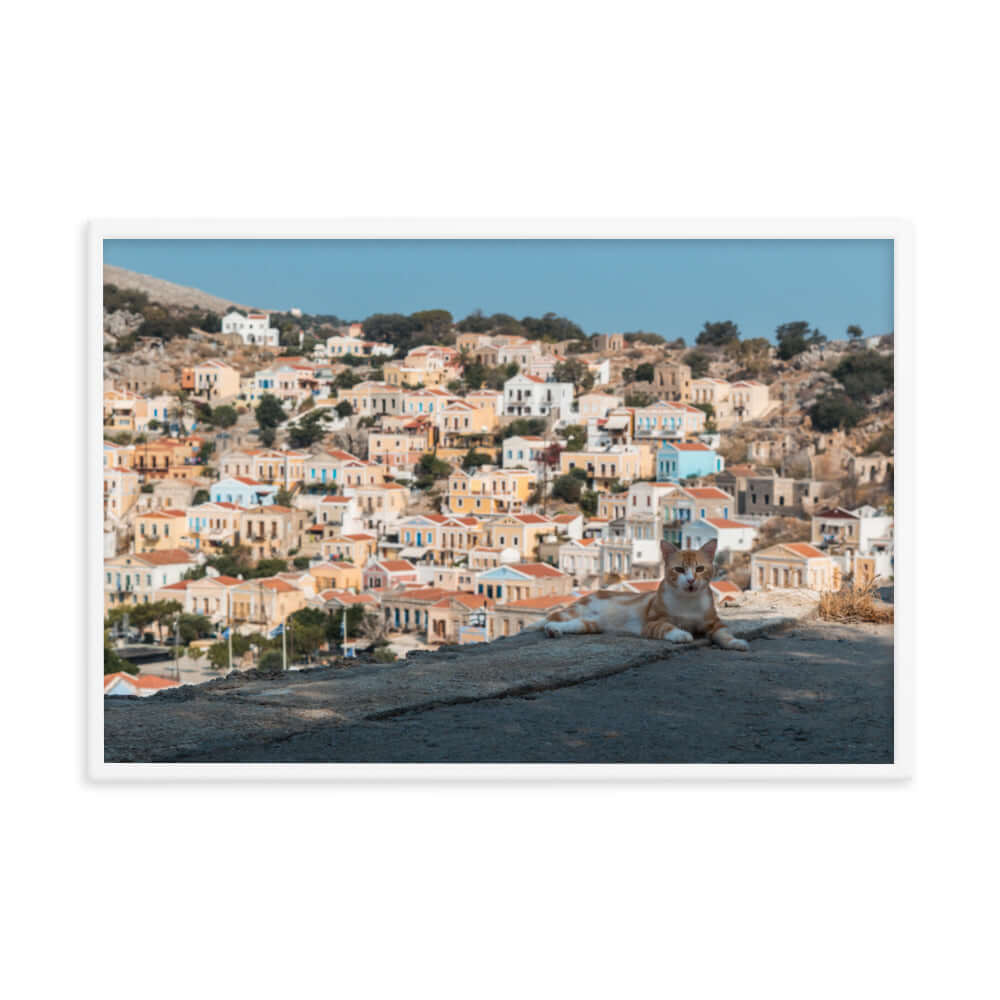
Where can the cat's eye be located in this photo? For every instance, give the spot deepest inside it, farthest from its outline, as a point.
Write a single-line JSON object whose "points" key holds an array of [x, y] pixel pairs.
{"points": [[699, 569]]}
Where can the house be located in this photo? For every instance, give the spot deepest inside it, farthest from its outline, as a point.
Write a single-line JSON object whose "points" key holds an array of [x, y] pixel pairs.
{"points": [[262, 604], [215, 380], [458, 618], [672, 379], [526, 452], [847, 535], [454, 578], [399, 449], [136, 685], [135, 577], [513, 617], [581, 560], [793, 565], [242, 491], [379, 504], [570, 525], [160, 530], [254, 329], [530, 396], [212, 525], [337, 515], [518, 581], [357, 547], [210, 596], [678, 460], [520, 532], [335, 600], [771, 495], [609, 343], [604, 466], [461, 418], [272, 531], [336, 575], [731, 536], [596, 405], [489, 491], [726, 592], [664, 419], [384, 574], [121, 490], [691, 503]]}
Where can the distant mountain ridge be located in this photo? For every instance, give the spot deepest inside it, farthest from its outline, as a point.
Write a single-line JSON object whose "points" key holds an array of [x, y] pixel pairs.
{"points": [[166, 292]]}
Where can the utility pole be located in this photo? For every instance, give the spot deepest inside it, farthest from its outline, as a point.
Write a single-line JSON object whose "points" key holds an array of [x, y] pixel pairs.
{"points": [[284, 645]]}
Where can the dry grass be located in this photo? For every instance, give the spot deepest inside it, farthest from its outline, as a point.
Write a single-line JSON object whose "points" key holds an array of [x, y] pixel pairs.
{"points": [[851, 605]]}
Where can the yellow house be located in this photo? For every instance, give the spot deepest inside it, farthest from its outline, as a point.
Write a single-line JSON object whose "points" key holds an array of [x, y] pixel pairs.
{"points": [[160, 529], [518, 531], [399, 449], [215, 380], [355, 548], [121, 490], [336, 576], [462, 418], [489, 491], [262, 604], [621, 462], [272, 531]]}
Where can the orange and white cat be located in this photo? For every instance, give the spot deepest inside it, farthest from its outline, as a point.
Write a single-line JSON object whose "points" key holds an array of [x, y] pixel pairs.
{"points": [[682, 607]]}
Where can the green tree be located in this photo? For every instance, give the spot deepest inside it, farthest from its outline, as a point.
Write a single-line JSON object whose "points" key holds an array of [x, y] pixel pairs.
{"points": [[794, 338], [113, 663], [645, 373], [429, 469], [272, 662], [474, 459], [523, 427], [575, 372], [224, 416], [637, 398], [344, 408], [709, 410], [576, 437], [434, 322], [718, 334], [588, 502], [644, 337], [835, 410], [307, 430], [698, 362], [269, 412], [864, 374], [855, 333], [568, 488], [201, 496]]}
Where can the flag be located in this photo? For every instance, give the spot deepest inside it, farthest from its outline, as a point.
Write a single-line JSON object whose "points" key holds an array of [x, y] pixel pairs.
{"points": [[276, 632], [225, 633]]}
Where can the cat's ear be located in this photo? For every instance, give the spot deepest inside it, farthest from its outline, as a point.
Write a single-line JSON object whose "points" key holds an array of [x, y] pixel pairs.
{"points": [[668, 550], [708, 549]]}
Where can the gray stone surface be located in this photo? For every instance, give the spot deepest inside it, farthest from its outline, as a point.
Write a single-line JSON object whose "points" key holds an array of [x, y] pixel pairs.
{"points": [[451, 705]]}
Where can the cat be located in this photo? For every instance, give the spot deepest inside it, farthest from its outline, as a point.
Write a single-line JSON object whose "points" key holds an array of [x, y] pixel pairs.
{"points": [[682, 607]]}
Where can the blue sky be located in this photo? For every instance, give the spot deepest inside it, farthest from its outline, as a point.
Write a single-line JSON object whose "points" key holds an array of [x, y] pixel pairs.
{"points": [[670, 287]]}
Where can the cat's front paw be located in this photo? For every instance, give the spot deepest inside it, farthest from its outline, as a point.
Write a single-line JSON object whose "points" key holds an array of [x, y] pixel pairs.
{"points": [[739, 644], [678, 635], [552, 632]]}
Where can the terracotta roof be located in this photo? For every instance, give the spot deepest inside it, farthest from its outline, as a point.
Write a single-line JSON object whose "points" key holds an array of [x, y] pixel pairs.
{"points": [[179, 585], [706, 493], [152, 682], [836, 513], [566, 518], [687, 445], [468, 600], [361, 537], [165, 557], [530, 518], [537, 569], [346, 597], [397, 565], [421, 593], [643, 586], [333, 499], [721, 522], [247, 482], [164, 514], [725, 587], [802, 549]]}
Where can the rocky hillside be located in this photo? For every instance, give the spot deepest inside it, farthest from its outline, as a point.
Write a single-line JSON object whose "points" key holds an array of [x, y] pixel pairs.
{"points": [[166, 292]]}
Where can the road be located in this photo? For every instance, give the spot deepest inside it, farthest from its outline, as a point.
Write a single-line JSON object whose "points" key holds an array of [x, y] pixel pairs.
{"points": [[817, 693]]}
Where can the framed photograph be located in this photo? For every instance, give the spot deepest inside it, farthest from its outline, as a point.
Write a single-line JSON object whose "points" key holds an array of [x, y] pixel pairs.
{"points": [[486, 499]]}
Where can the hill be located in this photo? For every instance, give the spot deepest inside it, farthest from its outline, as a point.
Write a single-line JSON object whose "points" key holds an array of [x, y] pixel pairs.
{"points": [[166, 292]]}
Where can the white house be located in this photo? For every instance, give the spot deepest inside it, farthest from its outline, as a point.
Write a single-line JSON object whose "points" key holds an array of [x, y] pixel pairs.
{"points": [[525, 452], [581, 559], [254, 328], [732, 536], [529, 396]]}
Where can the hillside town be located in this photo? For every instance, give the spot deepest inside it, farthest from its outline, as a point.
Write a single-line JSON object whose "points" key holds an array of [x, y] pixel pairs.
{"points": [[281, 488]]}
